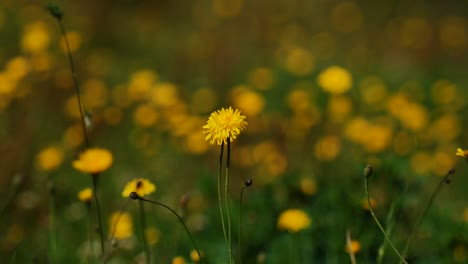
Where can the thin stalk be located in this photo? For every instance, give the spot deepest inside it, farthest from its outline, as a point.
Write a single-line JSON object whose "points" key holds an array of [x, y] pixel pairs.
{"points": [[424, 212], [350, 250], [98, 209], [226, 200], [220, 196], [134, 196], [143, 227], [389, 230], [240, 222], [90, 230], [378, 222]]}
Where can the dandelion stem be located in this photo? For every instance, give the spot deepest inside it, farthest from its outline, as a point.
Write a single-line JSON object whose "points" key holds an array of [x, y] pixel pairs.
{"points": [[226, 199], [378, 222], [350, 250], [424, 211], [240, 219], [143, 227], [90, 227], [98, 209], [220, 196], [134, 196]]}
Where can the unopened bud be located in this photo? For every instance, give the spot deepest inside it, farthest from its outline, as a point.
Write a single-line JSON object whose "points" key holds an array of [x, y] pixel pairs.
{"points": [[368, 171], [134, 195], [248, 182], [55, 10]]}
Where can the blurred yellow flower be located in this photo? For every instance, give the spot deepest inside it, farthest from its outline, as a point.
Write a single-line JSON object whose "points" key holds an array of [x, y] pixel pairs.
{"points": [[145, 115], [335, 80], [141, 186], [308, 186], [224, 124], [49, 158], [36, 37], [327, 147], [93, 160], [354, 247], [178, 260], [293, 220], [365, 204], [74, 42], [250, 102], [462, 153], [194, 255], [85, 195], [152, 235], [121, 224], [299, 61]]}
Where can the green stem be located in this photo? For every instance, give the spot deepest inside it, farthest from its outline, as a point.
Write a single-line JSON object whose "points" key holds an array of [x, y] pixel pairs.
{"points": [[220, 196], [52, 231], [378, 222], [424, 212], [226, 200], [178, 217], [98, 209], [90, 230], [350, 250], [240, 223], [143, 227]]}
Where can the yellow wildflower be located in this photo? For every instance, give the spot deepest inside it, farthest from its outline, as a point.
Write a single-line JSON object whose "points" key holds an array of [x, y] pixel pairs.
{"points": [[224, 124], [141, 186], [178, 260], [85, 195], [194, 256], [335, 80], [462, 153], [93, 160], [121, 224], [293, 220], [355, 247], [49, 158]]}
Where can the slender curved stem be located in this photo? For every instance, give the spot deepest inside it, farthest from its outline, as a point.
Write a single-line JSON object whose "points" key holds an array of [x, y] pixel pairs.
{"points": [[424, 212], [143, 227], [350, 250], [240, 222], [180, 220], [98, 209], [378, 222], [220, 196], [226, 199]]}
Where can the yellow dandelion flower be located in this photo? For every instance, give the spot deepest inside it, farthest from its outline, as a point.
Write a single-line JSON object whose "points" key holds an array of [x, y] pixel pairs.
{"points": [[93, 160], [49, 158], [85, 195], [335, 80], [121, 224], [293, 220], [194, 256], [223, 124], [354, 247], [141, 186], [462, 153], [178, 260]]}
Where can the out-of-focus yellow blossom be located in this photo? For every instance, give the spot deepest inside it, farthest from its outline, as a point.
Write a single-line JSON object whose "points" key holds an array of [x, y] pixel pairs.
{"points": [[140, 84], [443, 92], [152, 235], [354, 247], [203, 100], [339, 107], [249, 101], [7, 85], [347, 17], [224, 124], [85, 195], [35, 37], [72, 108], [298, 100], [335, 80], [445, 128], [365, 204], [261, 78], [195, 143], [462, 153], [112, 115], [442, 160], [227, 8], [377, 138], [299, 61], [141, 186], [421, 162], [413, 116], [95, 93], [74, 41], [194, 256], [93, 160], [73, 136], [17, 68], [42, 62], [178, 260], [145, 115], [308, 186], [373, 90], [164, 94], [49, 158], [453, 34], [327, 148], [121, 225], [293, 220]]}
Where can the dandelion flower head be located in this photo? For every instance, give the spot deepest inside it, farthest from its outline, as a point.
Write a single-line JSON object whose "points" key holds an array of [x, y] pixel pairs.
{"points": [[93, 160], [462, 153], [354, 245], [85, 195], [223, 124], [293, 220], [141, 186]]}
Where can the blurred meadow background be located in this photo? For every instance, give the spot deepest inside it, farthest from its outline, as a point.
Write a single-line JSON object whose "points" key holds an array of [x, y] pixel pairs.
{"points": [[326, 87]]}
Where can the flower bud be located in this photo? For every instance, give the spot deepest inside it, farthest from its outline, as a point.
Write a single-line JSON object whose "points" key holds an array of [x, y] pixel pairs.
{"points": [[368, 171]]}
